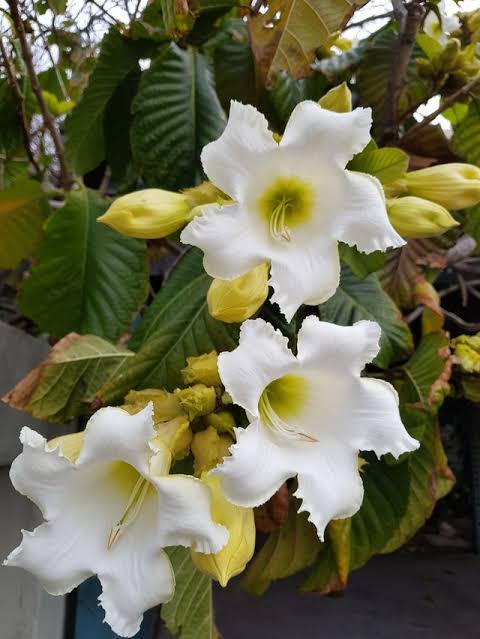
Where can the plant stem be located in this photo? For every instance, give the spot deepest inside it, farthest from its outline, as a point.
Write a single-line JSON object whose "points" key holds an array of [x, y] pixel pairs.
{"points": [[20, 101], [409, 17], [65, 176]]}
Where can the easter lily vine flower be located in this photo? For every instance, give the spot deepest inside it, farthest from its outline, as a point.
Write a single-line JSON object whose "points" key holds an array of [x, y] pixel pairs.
{"points": [[310, 415], [440, 30], [110, 512], [293, 201]]}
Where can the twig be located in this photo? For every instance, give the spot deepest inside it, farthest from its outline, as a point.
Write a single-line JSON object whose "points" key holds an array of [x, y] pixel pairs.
{"points": [[105, 13], [463, 288], [56, 70], [20, 102], [465, 90], [409, 17], [471, 327], [65, 176], [360, 23], [137, 7]]}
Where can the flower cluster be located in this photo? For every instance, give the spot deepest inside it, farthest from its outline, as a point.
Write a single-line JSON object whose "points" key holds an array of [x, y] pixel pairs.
{"points": [[273, 215]]}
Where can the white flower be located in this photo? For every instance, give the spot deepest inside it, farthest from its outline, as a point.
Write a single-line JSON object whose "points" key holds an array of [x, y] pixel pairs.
{"points": [[110, 513], [440, 30], [293, 201], [310, 415]]}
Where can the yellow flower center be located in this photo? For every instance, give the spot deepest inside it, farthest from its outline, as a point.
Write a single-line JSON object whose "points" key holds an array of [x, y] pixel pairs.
{"points": [[285, 204], [124, 475], [280, 402]]}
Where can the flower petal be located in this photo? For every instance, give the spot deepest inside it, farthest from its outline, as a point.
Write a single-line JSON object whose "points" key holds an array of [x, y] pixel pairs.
{"points": [[329, 483], [261, 356], [230, 161], [321, 133], [305, 275], [185, 515], [112, 434], [231, 239], [257, 468], [331, 347], [41, 474], [374, 420], [361, 219], [135, 574]]}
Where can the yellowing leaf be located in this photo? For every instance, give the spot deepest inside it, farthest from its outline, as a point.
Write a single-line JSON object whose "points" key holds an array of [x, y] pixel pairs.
{"points": [[22, 214], [288, 34]]}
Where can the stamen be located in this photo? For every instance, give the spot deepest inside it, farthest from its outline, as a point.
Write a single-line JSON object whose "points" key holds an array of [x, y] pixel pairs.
{"points": [[131, 512], [278, 228], [275, 422]]}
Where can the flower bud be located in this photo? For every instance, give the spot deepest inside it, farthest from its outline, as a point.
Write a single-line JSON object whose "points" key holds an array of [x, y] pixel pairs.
{"points": [[177, 435], [166, 405], [454, 186], [202, 370], [222, 421], [209, 448], [414, 217], [70, 445], [237, 300], [239, 522], [148, 214], [338, 99], [467, 352], [197, 400]]}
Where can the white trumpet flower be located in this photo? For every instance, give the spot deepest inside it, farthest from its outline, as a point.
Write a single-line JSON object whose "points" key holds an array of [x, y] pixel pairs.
{"points": [[292, 201], [310, 415], [440, 30], [110, 512]]}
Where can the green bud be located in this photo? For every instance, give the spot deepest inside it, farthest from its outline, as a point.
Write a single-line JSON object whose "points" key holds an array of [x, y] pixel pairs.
{"points": [[455, 186], [222, 421], [338, 99], [467, 352], [209, 448], [197, 400], [165, 405], [202, 369], [414, 217]]}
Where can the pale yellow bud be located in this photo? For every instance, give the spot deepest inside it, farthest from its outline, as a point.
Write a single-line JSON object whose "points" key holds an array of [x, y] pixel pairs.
{"points": [[203, 370], [222, 421], [148, 214], [209, 448], [414, 217], [455, 186], [467, 352], [237, 300], [239, 522], [197, 400], [177, 435], [70, 445], [166, 405]]}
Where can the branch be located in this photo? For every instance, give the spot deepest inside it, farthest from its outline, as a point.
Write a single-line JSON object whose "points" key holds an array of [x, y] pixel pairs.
{"points": [[360, 23], [65, 176], [409, 16], [20, 102], [465, 90]]}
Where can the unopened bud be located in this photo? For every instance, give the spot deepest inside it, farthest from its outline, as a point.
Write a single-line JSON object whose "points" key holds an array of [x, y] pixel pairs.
{"points": [[177, 435], [202, 369], [338, 99], [197, 400], [166, 405], [467, 352], [414, 217], [239, 522], [148, 214], [209, 448], [455, 186], [237, 300], [223, 422]]}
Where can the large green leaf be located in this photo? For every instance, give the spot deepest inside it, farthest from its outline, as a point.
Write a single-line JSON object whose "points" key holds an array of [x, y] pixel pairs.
{"points": [[287, 35], [291, 548], [189, 615], [177, 112], [23, 209], [357, 299], [387, 164], [176, 325], [63, 386], [466, 139], [287, 93], [89, 279], [85, 143]]}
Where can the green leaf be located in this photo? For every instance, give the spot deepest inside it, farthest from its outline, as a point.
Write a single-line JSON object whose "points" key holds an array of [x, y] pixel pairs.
{"points": [[360, 263], [176, 325], [89, 279], [11, 138], [85, 143], [62, 387], [23, 209], [356, 300], [387, 164], [287, 35], [189, 615], [291, 548], [177, 113], [466, 138], [287, 93]]}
